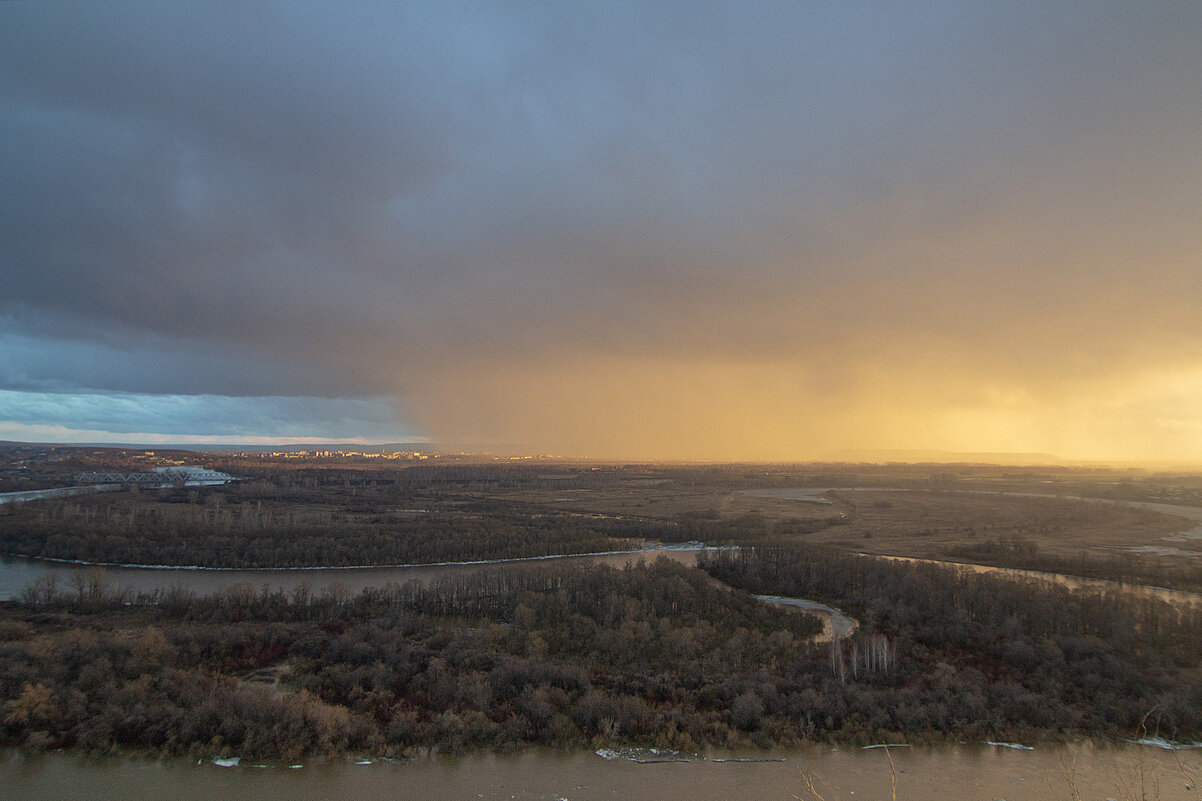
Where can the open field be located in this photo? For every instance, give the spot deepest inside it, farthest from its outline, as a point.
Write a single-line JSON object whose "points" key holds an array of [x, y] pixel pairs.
{"points": [[1084, 522], [934, 524], [913, 521]]}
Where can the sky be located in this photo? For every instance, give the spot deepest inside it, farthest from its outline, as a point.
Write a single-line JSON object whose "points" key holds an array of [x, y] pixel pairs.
{"points": [[666, 230]]}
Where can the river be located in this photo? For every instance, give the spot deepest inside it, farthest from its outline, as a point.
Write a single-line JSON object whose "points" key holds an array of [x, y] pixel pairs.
{"points": [[1178, 597], [836, 625], [57, 492], [91, 489], [964, 773], [18, 573]]}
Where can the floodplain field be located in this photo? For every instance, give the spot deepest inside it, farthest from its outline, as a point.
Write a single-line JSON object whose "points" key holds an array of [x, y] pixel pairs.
{"points": [[1105, 524], [1124, 525]]}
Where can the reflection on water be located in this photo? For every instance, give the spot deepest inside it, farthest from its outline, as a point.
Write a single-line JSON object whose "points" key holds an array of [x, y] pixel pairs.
{"points": [[1178, 597], [16, 574], [949, 772]]}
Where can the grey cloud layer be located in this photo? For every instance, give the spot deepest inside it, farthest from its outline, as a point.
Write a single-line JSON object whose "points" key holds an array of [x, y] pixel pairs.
{"points": [[378, 193], [214, 415]]}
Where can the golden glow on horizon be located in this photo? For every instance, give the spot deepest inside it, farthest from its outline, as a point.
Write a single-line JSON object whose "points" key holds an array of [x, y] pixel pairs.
{"points": [[775, 411]]}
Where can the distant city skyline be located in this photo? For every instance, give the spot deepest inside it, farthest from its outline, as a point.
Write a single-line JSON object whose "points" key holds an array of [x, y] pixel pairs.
{"points": [[669, 230]]}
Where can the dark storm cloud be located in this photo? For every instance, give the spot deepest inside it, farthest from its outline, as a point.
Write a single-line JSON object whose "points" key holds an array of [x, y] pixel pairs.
{"points": [[431, 200]]}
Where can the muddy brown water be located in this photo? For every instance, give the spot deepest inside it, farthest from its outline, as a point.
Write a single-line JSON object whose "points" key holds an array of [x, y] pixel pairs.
{"points": [[1178, 597], [964, 772], [18, 573]]}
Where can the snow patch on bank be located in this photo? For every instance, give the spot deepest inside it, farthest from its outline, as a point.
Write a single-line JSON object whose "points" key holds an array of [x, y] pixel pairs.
{"points": [[1168, 745], [647, 755]]}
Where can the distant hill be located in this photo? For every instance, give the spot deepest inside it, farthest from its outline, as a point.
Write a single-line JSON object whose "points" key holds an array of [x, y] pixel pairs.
{"points": [[386, 447], [918, 456]]}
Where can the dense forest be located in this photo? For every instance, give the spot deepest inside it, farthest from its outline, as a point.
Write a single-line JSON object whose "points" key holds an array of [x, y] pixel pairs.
{"points": [[321, 518], [653, 655], [994, 652], [656, 654]]}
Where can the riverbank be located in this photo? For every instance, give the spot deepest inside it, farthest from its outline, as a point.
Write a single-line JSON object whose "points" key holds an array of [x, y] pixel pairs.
{"points": [[57, 492], [1179, 597], [645, 548]]}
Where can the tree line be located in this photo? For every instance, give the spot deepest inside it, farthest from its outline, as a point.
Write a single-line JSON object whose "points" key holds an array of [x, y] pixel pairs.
{"points": [[337, 523], [980, 652]]}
